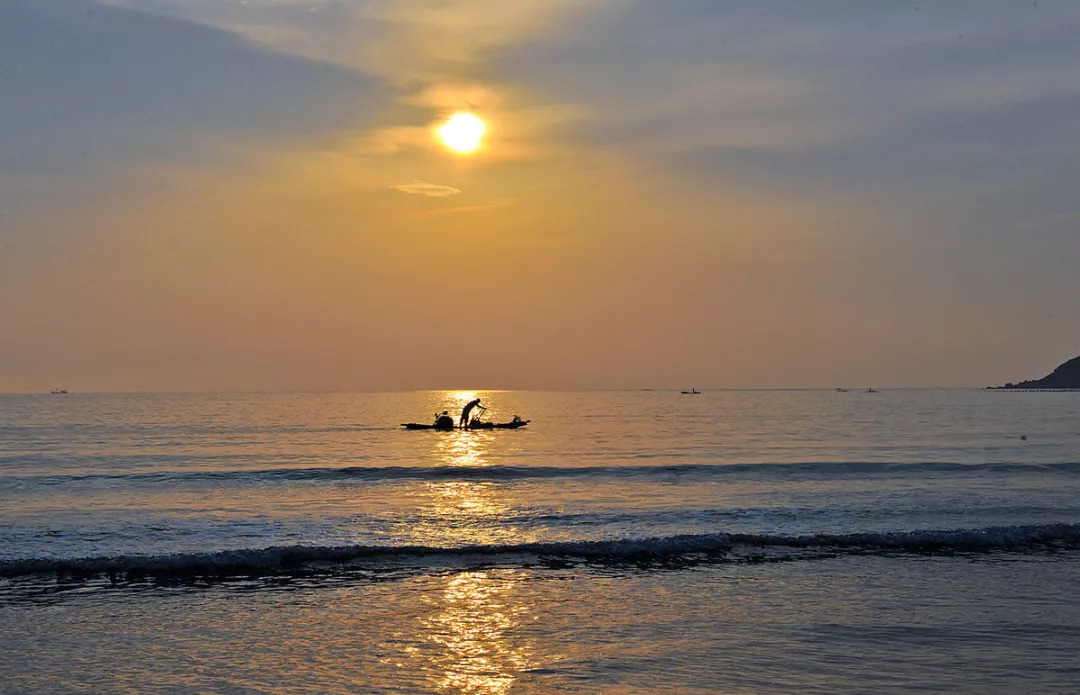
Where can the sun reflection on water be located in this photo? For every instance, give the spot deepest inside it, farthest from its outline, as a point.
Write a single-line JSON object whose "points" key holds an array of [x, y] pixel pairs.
{"points": [[475, 621], [475, 627], [463, 448], [464, 512], [461, 397]]}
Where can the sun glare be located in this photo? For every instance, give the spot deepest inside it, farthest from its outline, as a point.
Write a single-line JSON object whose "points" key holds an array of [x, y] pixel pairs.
{"points": [[462, 132]]}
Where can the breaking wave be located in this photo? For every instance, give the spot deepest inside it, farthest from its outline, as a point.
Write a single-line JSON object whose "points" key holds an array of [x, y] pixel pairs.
{"points": [[689, 548]]}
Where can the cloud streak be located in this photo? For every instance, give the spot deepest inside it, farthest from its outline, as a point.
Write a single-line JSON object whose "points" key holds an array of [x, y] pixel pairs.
{"points": [[432, 190]]}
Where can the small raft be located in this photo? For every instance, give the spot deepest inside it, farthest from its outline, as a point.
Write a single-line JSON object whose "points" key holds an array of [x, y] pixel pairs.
{"points": [[447, 424]]}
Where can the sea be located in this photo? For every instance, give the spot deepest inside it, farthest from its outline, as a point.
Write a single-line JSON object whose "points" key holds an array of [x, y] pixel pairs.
{"points": [[896, 541]]}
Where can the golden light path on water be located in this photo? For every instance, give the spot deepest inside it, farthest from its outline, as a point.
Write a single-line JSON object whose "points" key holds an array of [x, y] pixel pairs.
{"points": [[474, 622]]}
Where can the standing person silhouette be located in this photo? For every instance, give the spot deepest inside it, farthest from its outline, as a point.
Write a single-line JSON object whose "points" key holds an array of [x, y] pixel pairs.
{"points": [[465, 413]]}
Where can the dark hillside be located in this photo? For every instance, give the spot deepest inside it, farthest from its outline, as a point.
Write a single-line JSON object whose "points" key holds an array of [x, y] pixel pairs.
{"points": [[1066, 376]]}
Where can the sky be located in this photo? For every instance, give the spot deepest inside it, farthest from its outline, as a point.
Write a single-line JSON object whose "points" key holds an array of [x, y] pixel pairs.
{"points": [[208, 195]]}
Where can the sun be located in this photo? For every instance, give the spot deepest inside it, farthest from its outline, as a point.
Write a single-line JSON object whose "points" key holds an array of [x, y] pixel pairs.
{"points": [[462, 132]]}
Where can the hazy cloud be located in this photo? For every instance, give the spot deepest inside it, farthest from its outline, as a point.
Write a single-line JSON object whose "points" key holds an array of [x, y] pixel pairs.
{"points": [[432, 190], [86, 85]]}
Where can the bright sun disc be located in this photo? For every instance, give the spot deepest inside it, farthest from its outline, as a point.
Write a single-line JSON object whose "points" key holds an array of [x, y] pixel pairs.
{"points": [[462, 133]]}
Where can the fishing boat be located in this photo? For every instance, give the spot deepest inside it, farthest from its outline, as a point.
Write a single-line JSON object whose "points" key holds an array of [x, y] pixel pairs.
{"points": [[445, 423], [691, 392]]}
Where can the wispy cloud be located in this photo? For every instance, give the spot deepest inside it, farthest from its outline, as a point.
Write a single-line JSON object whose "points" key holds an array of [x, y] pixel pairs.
{"points": [[467, 208], [433, 190]]}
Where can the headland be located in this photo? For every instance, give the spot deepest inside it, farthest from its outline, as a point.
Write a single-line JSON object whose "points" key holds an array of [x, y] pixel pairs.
{"points": [[1065, 378]]}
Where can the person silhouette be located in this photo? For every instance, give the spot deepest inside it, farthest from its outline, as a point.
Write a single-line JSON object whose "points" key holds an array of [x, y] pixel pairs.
{"points": [[465, 412]]}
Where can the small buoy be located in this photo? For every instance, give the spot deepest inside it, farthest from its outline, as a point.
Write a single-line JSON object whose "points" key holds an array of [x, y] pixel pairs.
{"points": [[1023, 437]]}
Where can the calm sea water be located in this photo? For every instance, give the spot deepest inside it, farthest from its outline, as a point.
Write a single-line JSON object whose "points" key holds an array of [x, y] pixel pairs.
{"points": [[632, 542]]}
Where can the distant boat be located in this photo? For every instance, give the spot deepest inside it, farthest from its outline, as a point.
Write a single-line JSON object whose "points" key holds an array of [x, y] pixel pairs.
{"points": [[871, 390], [58, 392], [691, 392], [840, 390]]}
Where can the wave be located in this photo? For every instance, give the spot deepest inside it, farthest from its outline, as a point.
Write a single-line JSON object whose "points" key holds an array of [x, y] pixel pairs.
{"points": [[678, 549], [497, 473]]}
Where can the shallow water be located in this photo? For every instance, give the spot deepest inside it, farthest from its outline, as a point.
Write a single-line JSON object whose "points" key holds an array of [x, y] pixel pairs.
{"points": [[623, 542]]}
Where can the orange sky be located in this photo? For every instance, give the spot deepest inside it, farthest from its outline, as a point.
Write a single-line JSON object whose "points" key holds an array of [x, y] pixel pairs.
{"points": [[736, 197]]}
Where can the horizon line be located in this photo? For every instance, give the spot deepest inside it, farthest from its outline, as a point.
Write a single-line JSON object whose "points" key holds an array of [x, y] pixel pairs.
{"points": [[496, 390]]}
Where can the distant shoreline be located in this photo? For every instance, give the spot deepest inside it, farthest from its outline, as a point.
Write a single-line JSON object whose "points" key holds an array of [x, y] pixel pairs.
{"points": [[1030, 390]]}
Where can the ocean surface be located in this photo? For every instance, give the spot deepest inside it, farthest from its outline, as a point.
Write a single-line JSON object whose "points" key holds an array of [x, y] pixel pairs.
{"points": [[624, 542]]}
